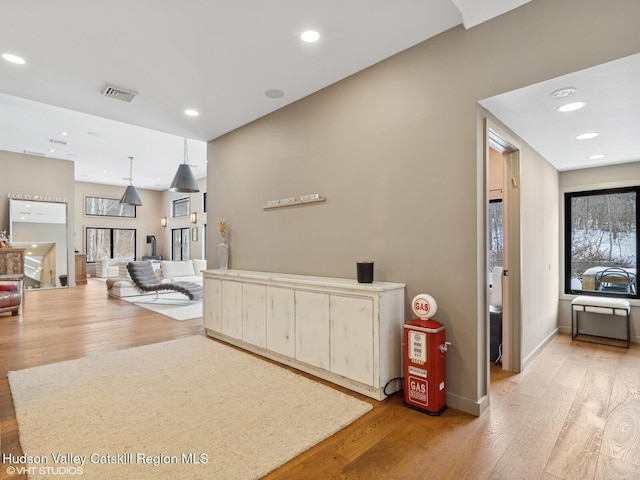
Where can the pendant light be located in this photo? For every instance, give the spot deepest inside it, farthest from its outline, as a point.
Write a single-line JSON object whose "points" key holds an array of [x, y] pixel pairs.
{"points": [[184, 181], [131, 196]]}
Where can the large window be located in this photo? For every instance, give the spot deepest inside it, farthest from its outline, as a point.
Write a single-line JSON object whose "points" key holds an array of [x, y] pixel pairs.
{"points": [[107, 207], [110, 243], [601, 242]]}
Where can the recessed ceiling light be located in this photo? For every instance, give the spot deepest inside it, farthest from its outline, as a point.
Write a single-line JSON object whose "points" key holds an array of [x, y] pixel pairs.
{"points": [[191, 113], [274, 93], [310, 36], [571, 107], [564, 92], [597, 156], [64, 133], [9, 57], [587, 136]]}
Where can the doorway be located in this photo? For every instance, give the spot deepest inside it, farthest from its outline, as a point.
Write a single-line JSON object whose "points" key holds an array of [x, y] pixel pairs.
{"points": [[503, 255]]}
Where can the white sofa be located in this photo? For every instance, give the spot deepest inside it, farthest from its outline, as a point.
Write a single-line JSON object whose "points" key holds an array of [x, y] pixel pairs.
{"points": [[169, 271], [183, 271], [107, 267]]}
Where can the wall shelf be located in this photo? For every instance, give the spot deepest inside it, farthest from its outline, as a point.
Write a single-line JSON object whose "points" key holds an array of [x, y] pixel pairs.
{"points": [[297, 202]]}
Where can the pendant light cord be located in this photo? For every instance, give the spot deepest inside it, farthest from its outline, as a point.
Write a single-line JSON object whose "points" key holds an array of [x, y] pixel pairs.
{"points": [[186, 152], [131, 171]]}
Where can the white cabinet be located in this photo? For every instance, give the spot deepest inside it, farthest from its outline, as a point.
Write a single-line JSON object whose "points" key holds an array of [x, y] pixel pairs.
{"points": [[352, 334], [334, 328], [232, 309], [254, 315], [280, 321], [312, 328], [212, 305]]}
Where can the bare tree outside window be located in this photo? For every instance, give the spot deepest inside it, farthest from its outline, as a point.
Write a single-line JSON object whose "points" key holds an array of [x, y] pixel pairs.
{"points": [[104, 243], [601, 232]]}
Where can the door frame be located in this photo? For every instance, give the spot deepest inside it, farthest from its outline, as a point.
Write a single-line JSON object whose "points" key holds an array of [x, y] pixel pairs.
{"points": [[511, 282]]}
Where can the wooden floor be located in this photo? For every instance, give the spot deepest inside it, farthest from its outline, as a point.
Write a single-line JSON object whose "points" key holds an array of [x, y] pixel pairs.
{"points": [[574, 414]]}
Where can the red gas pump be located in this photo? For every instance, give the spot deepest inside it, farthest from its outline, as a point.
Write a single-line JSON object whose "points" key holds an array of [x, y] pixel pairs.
{"points": [[425, 369]]}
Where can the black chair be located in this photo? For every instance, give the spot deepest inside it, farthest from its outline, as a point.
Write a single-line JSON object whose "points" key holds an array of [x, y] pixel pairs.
{"points": [[146, 280], [616, 280]]}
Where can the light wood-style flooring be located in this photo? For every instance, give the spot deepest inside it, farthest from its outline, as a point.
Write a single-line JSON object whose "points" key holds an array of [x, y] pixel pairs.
{"points": [[573, 414]]}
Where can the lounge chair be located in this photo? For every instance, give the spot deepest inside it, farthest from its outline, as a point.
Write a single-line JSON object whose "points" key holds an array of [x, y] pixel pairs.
{"points": [[145, 279]]}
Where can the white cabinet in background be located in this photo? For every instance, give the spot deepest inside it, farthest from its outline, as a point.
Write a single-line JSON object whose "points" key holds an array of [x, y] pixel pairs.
{"points": [[335, 328]]}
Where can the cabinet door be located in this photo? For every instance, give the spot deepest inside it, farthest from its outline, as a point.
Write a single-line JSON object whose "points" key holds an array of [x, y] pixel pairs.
{"points": [[232, 309], [280, 321], [212, 305], [312, 328], [254, 321], [352, 338]]}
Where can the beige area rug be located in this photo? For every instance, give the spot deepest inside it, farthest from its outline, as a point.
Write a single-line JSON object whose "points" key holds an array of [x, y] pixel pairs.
{"points": [[173, 305], [188, 408]]}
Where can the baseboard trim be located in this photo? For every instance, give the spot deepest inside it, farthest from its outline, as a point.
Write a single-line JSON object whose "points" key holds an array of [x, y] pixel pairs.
{"points": [[475, 408], [529, 358]]}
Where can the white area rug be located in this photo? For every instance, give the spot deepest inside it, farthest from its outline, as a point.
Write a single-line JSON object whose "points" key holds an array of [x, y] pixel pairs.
{"points": [[173, 305], [152, 412]]}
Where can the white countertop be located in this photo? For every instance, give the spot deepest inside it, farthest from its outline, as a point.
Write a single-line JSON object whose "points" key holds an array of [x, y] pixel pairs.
{"points": [[293, 279]]}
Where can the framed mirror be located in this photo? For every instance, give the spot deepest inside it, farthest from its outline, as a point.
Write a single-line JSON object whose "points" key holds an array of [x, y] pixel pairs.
{"points": [[41, 229]]}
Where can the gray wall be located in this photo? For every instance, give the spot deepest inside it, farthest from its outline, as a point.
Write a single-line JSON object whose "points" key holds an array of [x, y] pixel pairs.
{"points": [[397, 150]]}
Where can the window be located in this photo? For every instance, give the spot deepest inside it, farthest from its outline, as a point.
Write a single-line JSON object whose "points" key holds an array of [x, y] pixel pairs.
{"points": [[180, 207], [496, 236], [108, 207], [110, 243], [180, 244], [601, 243]]}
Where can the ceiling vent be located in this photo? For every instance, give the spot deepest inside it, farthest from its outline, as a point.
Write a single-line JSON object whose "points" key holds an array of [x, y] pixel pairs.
{"points": [[57, 142], [37, 154], [119, 93]]}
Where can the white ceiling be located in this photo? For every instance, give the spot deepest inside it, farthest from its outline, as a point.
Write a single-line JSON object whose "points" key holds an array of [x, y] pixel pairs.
{"points": [[218, 57], [612, 95]]}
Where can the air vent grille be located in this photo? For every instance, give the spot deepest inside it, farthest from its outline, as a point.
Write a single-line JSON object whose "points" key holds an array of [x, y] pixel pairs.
{"points": [[37, 154], [119, 93]]}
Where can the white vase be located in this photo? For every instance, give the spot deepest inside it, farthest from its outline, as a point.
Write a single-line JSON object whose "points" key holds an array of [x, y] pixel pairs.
{"points": [[223, 256]]}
